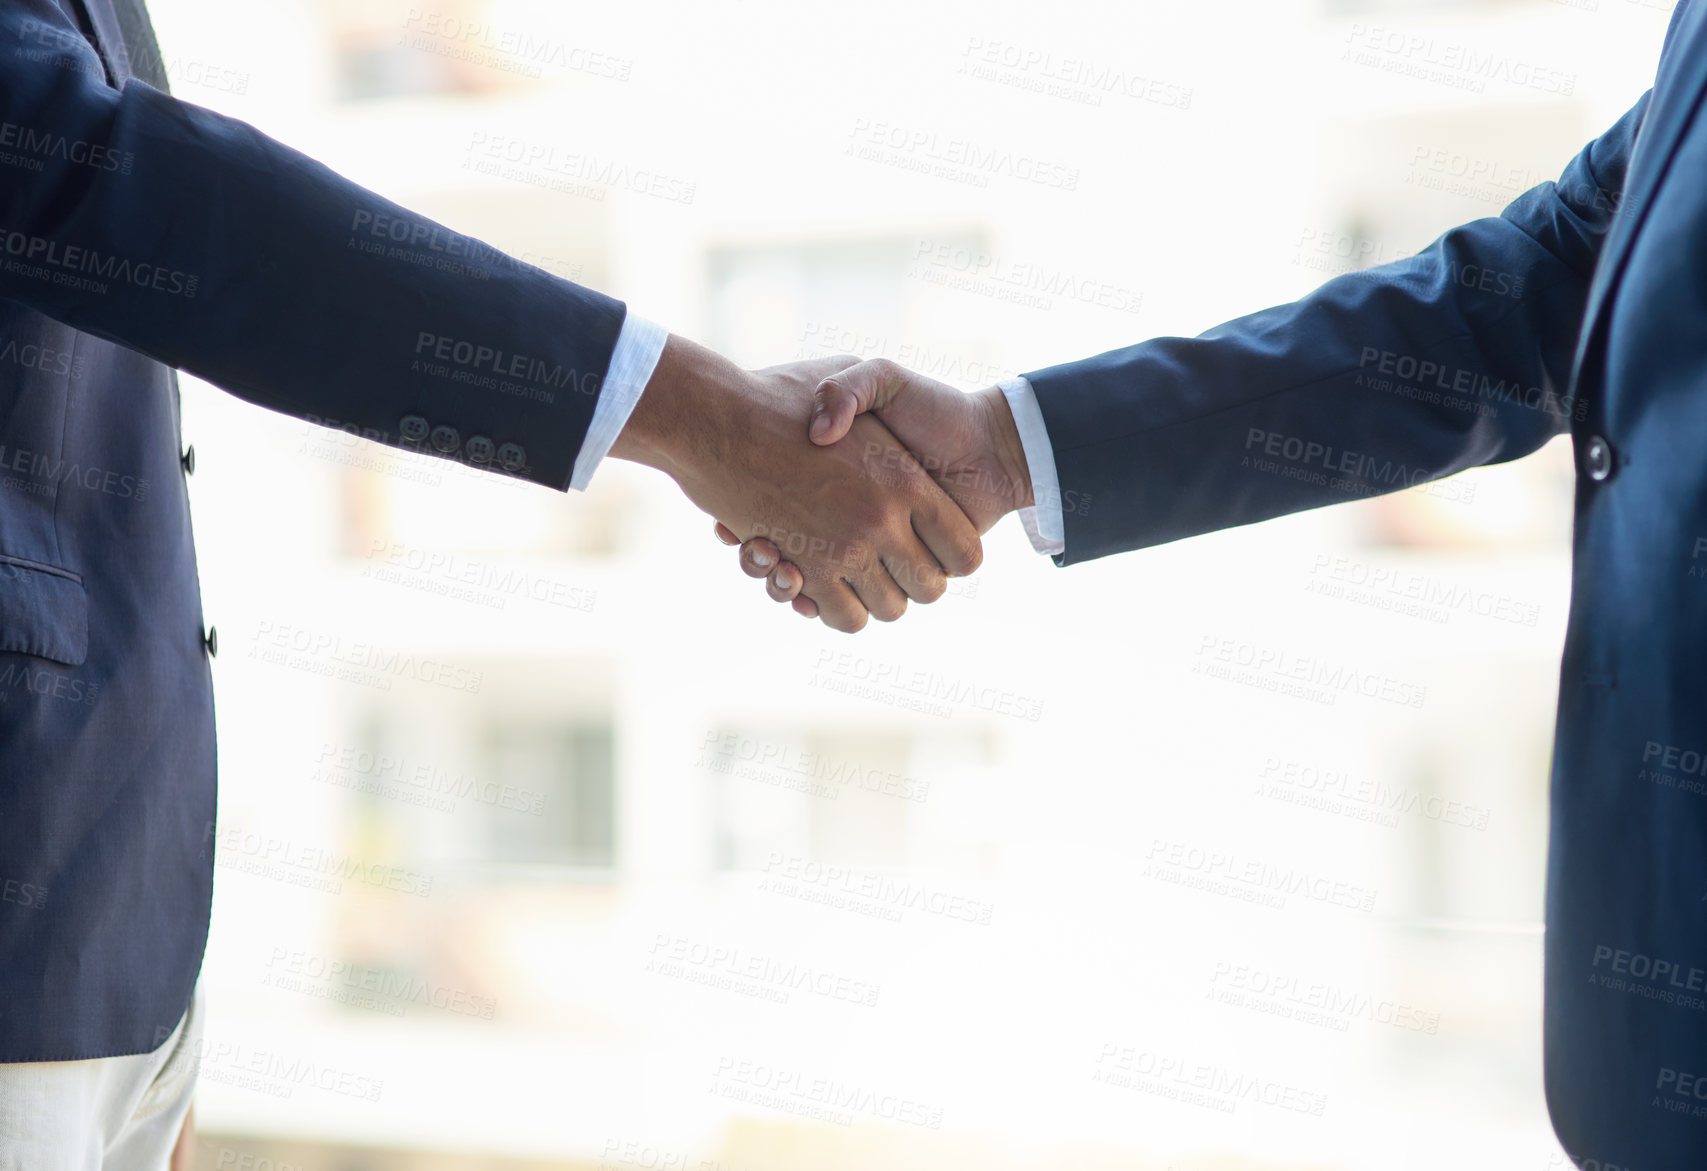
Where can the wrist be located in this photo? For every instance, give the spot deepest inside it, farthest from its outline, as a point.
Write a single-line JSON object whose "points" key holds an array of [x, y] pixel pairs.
{"points": [[1002, 435], [669, 427]]}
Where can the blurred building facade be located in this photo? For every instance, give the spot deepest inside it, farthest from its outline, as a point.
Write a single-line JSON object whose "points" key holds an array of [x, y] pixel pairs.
{"points": [[546, 840]]}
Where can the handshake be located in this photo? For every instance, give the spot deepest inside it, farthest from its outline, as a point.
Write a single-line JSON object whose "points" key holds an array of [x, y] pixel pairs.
{"points": [[852, 487]]}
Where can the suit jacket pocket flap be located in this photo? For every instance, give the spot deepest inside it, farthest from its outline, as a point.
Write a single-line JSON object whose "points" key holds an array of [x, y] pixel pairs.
{"points": [[43, 611]]}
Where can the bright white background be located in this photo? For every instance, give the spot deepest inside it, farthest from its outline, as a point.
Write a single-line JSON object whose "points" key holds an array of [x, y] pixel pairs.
{"points": [[736, 827]]}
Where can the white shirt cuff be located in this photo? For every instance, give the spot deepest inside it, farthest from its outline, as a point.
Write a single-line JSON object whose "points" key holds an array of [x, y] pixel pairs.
{"points": [[1043, 522], [638, 347]]}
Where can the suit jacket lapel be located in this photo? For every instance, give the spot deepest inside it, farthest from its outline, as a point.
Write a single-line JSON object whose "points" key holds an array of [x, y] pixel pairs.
{"points": [[109, 38], [1677, 96], [137, 32]]}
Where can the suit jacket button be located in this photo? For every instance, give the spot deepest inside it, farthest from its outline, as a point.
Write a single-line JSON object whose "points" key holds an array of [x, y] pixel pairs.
{"points": [[447, 439], [1597, 458], [211, 641], [413, 428], [512, 456], [479, 448], [189, 460]]}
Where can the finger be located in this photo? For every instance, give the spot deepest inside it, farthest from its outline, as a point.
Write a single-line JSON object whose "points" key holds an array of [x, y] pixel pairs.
{"points": [[726, 534], [759, 557], [878, 593], [916, 570], [946, 532], [839, 606], [785, 582], [805, 607], [844, 396]]}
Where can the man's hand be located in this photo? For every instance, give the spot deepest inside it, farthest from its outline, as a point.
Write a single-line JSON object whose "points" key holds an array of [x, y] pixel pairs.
{"points": [[863, 524], [966, 442]]}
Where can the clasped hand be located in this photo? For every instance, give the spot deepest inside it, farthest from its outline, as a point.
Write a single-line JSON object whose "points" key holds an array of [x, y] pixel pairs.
{"points": [[853, 487]]}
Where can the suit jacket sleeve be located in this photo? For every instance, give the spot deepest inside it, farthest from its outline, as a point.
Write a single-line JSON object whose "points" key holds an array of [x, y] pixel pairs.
{"points": [[202, 243], [1379, 380]]}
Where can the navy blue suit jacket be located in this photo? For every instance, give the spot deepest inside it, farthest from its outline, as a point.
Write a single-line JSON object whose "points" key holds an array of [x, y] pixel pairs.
{"points": [[137, 234], [1582, 307]]}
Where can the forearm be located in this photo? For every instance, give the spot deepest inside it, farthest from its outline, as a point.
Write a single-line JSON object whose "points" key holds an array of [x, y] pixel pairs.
{"points": [[682, 420], [200, 242], [1378, 381]]}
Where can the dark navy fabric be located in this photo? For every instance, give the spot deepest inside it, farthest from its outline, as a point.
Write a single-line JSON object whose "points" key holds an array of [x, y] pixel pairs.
{"points": [[1581, 308], [139, 233]]}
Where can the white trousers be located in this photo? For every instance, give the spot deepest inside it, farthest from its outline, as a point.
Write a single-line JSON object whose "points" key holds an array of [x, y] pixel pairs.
{"points": [[107, 1114]]}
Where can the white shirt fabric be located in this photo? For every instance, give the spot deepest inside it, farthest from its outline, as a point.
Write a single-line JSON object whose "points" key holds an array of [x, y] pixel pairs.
{"points": [[638, 347], [103, 1113], [641, 342], [1044, 522]]}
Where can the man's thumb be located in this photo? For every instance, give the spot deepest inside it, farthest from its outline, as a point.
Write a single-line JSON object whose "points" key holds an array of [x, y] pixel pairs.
{"points": [[841, 397]]}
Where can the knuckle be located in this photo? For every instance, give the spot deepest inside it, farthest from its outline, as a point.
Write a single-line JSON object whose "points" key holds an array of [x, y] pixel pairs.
{"points": [[970, 556]]}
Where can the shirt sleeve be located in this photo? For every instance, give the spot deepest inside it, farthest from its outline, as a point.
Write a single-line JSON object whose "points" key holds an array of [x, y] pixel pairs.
{"points": [[1043, 521], [639, 345]]}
